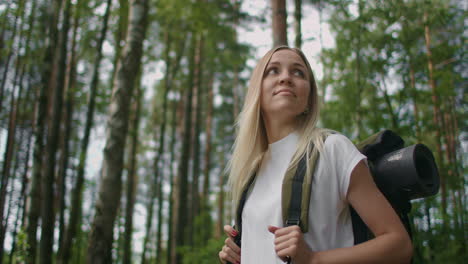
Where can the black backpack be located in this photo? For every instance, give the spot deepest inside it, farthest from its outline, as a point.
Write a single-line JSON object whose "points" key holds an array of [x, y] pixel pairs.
{"points": [[401, 174]]}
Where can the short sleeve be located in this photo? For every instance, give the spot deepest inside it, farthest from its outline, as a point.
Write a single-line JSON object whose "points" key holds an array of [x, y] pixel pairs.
{"points": [[343, 155]]}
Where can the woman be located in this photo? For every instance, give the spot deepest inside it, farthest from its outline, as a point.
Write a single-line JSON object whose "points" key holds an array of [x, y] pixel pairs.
{"points": [[277, 127]]}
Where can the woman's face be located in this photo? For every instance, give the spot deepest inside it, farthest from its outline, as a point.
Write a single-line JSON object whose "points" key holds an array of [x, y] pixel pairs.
{"points": [[285, 85]]}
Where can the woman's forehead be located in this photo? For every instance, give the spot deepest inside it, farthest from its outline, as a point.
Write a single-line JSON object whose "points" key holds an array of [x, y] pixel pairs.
{"points": [[286, 55]]}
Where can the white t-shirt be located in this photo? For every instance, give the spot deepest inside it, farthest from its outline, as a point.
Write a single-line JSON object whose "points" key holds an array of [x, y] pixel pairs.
{"points": [[329, 217]]}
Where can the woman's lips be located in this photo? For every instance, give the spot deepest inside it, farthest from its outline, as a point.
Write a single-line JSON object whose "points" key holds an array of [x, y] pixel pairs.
{"points": [[285, 92]]}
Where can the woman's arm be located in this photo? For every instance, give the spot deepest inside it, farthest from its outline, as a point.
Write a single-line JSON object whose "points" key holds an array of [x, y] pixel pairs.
{"points": [[390, 245]]}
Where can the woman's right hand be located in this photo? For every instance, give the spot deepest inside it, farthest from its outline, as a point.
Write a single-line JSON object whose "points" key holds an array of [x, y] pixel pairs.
{"points": [[230, 251]]}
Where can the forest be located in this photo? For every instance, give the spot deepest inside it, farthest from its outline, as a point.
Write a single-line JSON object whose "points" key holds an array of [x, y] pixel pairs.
{"points": [[117, 118]]}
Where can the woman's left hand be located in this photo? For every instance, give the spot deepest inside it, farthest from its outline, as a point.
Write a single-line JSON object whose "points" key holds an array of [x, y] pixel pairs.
{"points": [[289, 242]]}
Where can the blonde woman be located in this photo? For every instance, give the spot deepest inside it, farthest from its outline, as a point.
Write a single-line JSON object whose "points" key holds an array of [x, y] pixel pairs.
{"points": [[277, 127]]}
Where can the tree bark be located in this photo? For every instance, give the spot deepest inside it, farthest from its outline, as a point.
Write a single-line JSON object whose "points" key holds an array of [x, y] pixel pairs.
{"points": [[415, 103], [68, 120], [195, 199], [171, 71], [220, 223], [47, 207], [65, 251], [19, 14], [181, 185], [132, 179], [120, 35], [171, 221], [279, 24], [297, 23], [101, 236], [358, 73], [209, 121], [436, 118], [4, 26]]}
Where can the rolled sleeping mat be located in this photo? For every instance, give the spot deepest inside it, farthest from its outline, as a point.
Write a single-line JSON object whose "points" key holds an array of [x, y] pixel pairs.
{"points": [[411, 170]]}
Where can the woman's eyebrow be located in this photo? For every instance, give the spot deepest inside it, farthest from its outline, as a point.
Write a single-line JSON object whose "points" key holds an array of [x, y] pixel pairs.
{"points": [[299, 64], [294, 64]]}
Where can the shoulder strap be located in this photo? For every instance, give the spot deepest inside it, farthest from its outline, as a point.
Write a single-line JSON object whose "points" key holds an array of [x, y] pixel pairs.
{"points": [[297, 185], [295, 194], [240, 208]]}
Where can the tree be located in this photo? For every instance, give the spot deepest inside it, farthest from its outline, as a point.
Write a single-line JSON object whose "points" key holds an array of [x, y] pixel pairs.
{"points": [[297, 23], [35, 194], [278, 20], [101, 236], [65, 251], [48, 181]]}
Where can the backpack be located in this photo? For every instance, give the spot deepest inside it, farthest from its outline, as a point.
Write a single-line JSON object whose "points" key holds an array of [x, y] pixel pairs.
{"points": [[401, 174]]}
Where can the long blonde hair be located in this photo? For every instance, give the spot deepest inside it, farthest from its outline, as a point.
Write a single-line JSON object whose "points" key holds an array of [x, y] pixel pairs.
{"points": [[251, 142]]}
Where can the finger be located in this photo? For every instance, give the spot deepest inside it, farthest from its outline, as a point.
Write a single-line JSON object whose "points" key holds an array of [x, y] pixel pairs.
{"points": [[273, 229], [293, 237], [221, 256], [230, 231], [286, 230], [225, 257], [292, 241], [232, 256], [287, 252], [231, 244]]}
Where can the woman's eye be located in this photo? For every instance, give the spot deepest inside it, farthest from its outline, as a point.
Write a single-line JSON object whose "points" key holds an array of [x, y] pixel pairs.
{"points": [[299, 73], [272, 71]]}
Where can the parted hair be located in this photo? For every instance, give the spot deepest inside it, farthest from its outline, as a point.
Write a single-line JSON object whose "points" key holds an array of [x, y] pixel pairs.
{"points": [[251, 140]]}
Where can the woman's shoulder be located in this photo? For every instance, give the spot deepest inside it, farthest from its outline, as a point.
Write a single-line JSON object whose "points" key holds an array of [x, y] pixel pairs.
{"points": [[336, 141]]}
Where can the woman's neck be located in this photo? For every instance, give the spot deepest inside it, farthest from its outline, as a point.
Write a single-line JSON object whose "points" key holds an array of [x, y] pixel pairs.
{"points": [[277, 128]]}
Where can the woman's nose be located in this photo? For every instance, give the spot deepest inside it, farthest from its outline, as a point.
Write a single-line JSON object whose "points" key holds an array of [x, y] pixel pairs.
{"points": [[285, 77]]}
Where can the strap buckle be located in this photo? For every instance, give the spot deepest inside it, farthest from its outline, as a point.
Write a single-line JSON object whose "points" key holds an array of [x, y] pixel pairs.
{"points": [[291, 222]]}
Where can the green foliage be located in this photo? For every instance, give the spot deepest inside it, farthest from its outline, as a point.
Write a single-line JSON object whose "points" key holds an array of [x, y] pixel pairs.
{"points": [[377, 77], [21, 252], [204, 254]]}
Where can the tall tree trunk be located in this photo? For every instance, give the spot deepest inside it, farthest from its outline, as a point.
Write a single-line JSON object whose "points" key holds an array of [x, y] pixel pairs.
{"points": [[181, 184], [19, 14], [101, 236], [4, 26], [415, 103], [359, 88], [297, 23], [320, 13], [170, 232], [235, 86], [65, 252], [388, 102], [279, 24], [9, 151], [132, 178], [205, 233], [35, 195], [436, 118], [47, 207], [195, 199], [209, 121], [15, 203], [22, 198], [220, 223], [69, 103], [120, 35], [149, 221], [156, 189], [167, 87]]}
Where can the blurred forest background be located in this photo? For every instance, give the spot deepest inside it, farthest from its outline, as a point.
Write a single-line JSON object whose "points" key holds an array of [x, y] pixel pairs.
{"points": [[74, 73]]}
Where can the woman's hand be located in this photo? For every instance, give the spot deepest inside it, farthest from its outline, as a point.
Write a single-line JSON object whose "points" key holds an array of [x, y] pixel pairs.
{"points": [[230, 251], [289, 242]]}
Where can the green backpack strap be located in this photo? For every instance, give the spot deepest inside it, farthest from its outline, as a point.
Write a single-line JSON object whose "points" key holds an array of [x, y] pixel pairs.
{"points": [[295, 195]]}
